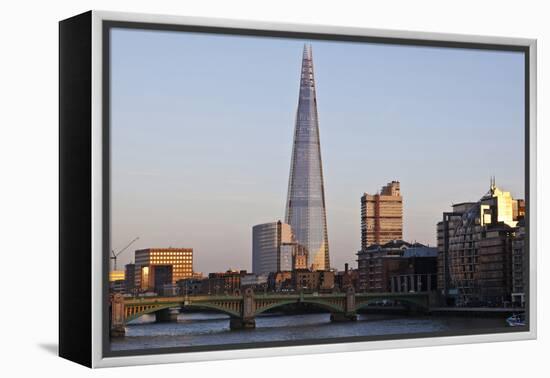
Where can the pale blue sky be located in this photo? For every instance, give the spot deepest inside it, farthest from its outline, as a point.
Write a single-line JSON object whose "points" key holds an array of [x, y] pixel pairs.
{"points": [[202, 129]]}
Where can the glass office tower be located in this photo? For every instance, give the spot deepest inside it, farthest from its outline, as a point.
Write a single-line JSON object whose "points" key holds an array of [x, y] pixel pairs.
{"points": [[305, 206]]}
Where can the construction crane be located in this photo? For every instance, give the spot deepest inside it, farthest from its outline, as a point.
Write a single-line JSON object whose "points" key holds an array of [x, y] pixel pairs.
{"points": [[115, 255]]}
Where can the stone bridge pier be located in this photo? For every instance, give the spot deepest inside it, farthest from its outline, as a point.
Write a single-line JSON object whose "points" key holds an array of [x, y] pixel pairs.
{"points": [[349, 313], [116, 317], [248, 313]]}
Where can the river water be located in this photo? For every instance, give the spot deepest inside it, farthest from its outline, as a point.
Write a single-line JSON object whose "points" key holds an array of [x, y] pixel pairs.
{"points": [[203, 329]]}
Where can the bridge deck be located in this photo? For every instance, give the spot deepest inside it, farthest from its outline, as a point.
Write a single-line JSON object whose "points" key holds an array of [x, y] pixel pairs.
{"points": [[290, 296]]}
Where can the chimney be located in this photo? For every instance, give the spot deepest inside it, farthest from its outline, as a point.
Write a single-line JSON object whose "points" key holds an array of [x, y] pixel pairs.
{"points": [[346, 268]]}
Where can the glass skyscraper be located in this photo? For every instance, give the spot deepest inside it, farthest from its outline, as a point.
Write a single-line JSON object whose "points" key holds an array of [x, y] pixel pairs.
{"points": [[305, 206], [269, 247]]}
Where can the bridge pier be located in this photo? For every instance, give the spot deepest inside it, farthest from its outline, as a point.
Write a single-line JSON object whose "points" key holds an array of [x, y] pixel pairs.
{"points": [[116, 317], [238, 323], [338, 317], [168, 315], [348, 315], [247, 319], [118, 331]]}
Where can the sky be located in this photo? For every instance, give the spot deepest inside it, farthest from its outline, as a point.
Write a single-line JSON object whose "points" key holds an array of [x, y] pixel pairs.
{"points": [[202, 130]]}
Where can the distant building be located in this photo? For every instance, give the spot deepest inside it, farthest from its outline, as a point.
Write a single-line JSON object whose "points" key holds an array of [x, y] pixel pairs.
{"points": [[346, 279], [272, 247], [222, 283], [317, 280], [116, 275], [382, 216], [397, 266], [299, 258], [155, 267], [189, 286], [450, 222], [286, 257], [116, 281], [520, 266], [197, 275], [169, 290], [154, 277], [130, 278], [257, 282], [280, 281], [475, 245]]}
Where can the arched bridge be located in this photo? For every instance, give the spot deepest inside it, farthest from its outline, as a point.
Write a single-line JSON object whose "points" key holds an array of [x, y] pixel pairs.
{"points": [[244, 307]]}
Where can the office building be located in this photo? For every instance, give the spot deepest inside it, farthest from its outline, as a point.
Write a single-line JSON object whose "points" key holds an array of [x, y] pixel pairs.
{"points": [[155, 267], [382, 216], [272, 247]]}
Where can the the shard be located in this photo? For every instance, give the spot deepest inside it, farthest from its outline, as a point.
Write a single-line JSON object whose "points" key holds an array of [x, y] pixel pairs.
{"points": [[305, 206]]}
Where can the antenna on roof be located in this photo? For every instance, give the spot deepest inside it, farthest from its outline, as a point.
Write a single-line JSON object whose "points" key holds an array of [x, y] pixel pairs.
{"points": [[493, 183]]}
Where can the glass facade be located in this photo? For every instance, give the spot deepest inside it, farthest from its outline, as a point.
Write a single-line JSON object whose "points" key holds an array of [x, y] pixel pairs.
{"points": [[287, 252], [265, 247], [269, 241], [305, 207]]}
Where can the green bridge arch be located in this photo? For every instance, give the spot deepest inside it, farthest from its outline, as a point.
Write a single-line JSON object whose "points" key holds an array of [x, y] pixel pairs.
{"points": [[198, 305], [210, 306], [149, 311], [318, 303]]}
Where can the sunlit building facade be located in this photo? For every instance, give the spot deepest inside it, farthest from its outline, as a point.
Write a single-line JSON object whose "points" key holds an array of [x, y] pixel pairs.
{"points": [[155, 267], [116, 275], [272, 247], [305, 206], [116, 281], [476, 249], [382, 216]]}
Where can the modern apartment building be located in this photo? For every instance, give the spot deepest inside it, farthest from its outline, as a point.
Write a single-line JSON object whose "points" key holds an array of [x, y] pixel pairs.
{"points": [[476, 249]]}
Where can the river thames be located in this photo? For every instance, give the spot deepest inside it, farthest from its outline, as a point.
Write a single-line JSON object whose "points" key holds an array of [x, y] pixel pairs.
{"points": [[203, 329]]}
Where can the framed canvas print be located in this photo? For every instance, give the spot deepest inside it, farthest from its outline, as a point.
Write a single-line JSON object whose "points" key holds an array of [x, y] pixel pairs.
{"points": [[232, 189]]}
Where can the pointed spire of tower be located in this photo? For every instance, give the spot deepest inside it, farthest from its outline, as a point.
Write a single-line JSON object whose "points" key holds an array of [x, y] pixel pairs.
{"points": [[305, 206], [307, 80], [307, 52]]}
